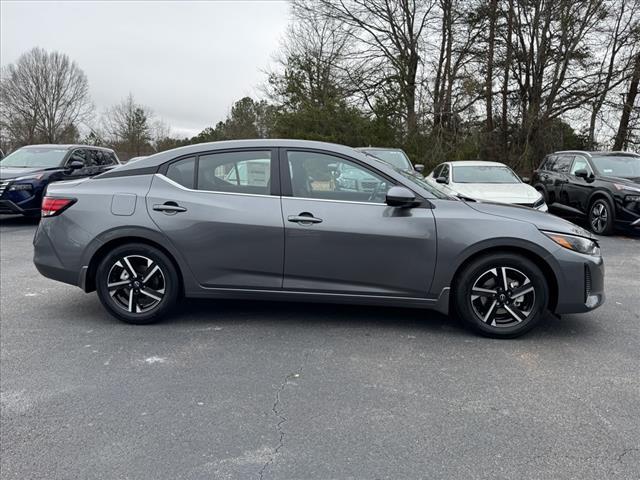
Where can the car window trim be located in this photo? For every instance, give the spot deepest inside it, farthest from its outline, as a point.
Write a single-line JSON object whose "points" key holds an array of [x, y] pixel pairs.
{"points": [[274, 172]]}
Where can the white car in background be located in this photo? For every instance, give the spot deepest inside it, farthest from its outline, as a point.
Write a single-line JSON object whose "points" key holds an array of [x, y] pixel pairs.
{"points": [[485, 181]]}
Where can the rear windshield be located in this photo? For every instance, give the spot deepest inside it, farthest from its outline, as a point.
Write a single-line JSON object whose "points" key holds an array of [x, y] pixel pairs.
{"points": [[618, 166], [34, 157], [484, 174]]}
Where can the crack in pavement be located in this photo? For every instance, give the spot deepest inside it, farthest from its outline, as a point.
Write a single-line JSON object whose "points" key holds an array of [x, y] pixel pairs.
{"points": [[282, 418]]}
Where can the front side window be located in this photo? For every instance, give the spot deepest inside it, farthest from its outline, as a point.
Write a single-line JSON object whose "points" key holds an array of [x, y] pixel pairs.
{"points": [[323, 176], [445, 171], [580, 163], [44, 157], [79, 155], [236, 172]]}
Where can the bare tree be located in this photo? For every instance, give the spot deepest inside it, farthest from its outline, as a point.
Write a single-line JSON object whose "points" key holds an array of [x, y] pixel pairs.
{"points": [[128, 125], [43, 98], [387, 41], [629, 105]]}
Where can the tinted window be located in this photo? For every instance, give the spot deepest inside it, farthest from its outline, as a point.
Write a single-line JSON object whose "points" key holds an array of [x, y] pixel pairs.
{"points": [[183, 172], [92, 158], [79, 155], [436, 172], [562, 164], [237, 172], [445, 171], [113, 160], [323, 176], [549, 163], [102, 158]]}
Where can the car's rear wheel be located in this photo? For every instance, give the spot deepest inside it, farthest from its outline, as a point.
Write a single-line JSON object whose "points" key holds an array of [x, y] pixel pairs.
{"points": [[601, 217], [137, 283], [501, 295]]}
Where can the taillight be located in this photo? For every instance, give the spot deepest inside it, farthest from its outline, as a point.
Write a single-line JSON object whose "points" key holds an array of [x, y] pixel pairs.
{"points": [[52, 206]]}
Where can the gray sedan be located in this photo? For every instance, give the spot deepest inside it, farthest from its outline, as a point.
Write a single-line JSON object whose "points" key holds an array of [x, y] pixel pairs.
{"points": [[266, 219]]}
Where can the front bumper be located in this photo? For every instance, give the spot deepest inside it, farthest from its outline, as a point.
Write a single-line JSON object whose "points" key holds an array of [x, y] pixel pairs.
{"points": [[580, 282]]}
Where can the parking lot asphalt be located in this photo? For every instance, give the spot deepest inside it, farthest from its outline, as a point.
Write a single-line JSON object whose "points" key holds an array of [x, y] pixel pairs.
{"points": [[241, 390]]}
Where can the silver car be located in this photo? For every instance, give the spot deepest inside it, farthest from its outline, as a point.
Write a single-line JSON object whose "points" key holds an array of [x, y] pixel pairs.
{"points": [[265, 219]]}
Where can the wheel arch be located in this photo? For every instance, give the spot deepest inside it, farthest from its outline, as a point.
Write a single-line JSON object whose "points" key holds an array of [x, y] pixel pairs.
{"points": [[105, 247], [601, 194], [538, 260]]}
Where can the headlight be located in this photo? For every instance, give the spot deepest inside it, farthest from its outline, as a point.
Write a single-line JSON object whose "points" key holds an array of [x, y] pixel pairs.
{"points": [[577, 244], [538, 203], [628, 188], [17, 187]]}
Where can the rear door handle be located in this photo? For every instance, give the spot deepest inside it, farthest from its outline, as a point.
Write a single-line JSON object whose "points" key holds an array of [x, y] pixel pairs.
{"points": [[304, 218], [169, 208]]}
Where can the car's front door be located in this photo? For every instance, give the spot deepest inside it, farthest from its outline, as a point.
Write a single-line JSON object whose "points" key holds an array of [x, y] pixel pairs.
{"points": [[228, 226], [347, 240], [577, 189]]}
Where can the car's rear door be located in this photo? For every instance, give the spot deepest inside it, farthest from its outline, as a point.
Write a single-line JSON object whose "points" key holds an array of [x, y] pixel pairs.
{"points": [[228, 227], [577, 189], [350, 242]]}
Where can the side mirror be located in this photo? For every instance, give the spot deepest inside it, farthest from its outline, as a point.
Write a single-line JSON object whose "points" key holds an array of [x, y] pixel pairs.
{"points": [[419, 167], [525, 179], [75, 165], [442, 180], [400, 197], [582, 173]]}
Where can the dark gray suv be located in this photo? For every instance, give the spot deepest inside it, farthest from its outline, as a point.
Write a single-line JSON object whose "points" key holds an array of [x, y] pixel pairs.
{"points": [[266, 219]]}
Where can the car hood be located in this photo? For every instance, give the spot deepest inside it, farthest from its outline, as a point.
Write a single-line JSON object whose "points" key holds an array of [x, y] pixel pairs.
{"points": [[635, 181], [542, 220], [498, 192], [14, 172]]}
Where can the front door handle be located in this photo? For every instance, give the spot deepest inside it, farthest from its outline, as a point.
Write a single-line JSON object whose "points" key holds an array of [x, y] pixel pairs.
{"points": [[305, 218], [170, 208]]}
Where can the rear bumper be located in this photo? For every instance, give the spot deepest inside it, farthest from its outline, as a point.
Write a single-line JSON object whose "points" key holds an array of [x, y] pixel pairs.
{"points": [[47, 261]]}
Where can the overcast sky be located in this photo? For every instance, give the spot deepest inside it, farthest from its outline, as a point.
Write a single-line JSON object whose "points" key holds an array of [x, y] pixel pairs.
{"points": [[187, 61]]}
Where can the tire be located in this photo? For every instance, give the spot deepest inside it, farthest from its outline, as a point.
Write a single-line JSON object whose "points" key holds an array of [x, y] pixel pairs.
{"points": [[143, 297], [483, 304], [601, 217]]}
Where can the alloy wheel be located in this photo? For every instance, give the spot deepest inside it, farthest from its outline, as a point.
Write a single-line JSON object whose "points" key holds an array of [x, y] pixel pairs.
{"points": [[503, 297], [136, 283], [599, 217]]}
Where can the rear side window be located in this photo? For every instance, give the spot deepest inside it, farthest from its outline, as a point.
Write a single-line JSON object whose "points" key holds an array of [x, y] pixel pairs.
{"points": [[563, 164], [183, 172], [236, 172]]}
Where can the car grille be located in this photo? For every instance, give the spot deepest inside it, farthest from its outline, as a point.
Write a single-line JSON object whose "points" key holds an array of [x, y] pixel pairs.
{"points": [[3, 186], [587, 282], [368, 186]]}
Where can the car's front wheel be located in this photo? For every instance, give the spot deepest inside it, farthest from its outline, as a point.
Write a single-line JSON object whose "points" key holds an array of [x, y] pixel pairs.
{"points": [[137, 283], [601, 217], [501, 295]]}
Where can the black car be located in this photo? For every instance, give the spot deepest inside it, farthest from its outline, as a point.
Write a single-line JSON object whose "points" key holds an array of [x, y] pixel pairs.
{"points": [[603, 187], [26, 172]]}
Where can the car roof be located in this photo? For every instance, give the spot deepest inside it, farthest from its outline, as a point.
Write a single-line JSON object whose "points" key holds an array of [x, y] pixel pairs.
{"points": [[159, 158], [67, 146], [475, 163], [598, 153]]}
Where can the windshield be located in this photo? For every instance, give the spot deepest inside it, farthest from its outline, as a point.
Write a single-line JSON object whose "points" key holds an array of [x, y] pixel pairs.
{"points": [[484, 174], [618, 166], [34, 157], [396, 158], [422, 183]]}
